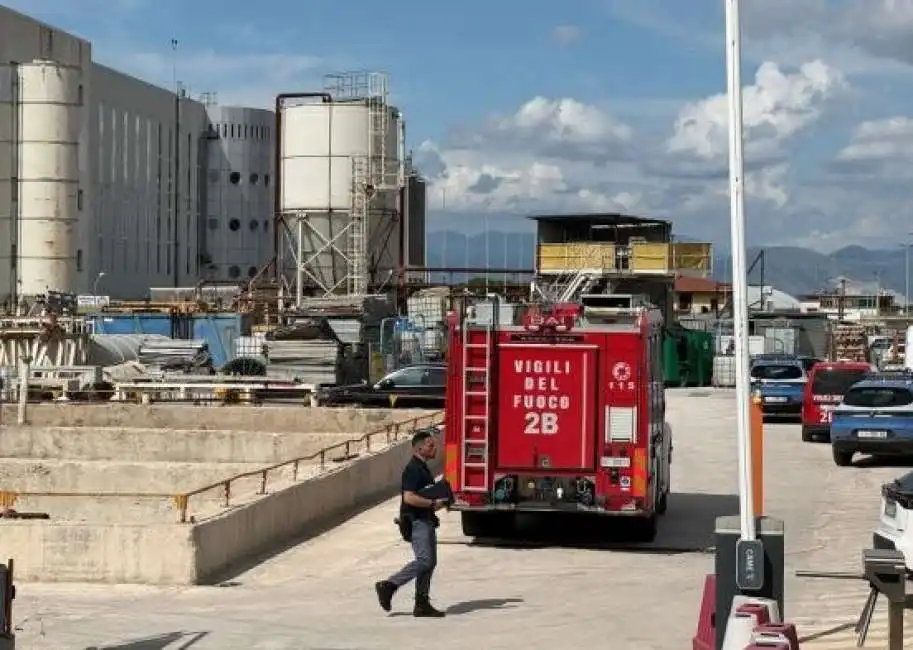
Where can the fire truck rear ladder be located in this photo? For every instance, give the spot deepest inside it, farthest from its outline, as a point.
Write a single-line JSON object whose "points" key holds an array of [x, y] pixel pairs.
{"points": [[476, 425]]}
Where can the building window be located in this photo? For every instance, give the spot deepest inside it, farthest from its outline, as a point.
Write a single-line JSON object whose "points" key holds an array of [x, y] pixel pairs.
{"points": [[252, 271], [234, 225], [254, 178], [266, 179], [234, 272], [234, 178], [684, 302], [80, 95], [79, 200], [79, 260], [253, 225], [213, 223], [265, 225]]}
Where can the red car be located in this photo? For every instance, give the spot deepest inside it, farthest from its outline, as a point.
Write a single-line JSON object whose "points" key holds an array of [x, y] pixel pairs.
{"points": [[828, 382]]}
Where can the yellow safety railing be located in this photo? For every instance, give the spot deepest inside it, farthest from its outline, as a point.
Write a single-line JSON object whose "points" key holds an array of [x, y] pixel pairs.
{"points": [[576, 256], [644, 257], [392, 432]]}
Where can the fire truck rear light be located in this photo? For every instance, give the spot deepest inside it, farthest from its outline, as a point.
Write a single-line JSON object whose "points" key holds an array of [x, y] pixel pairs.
{"points": [[621, 424], [639, 471]]}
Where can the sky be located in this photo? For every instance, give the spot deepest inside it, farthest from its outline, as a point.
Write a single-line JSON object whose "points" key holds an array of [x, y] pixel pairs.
{"points": [[521, 107]]}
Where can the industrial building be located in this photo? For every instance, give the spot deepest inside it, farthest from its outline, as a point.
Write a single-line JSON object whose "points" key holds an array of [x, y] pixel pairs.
{"points": [[110, 185]]}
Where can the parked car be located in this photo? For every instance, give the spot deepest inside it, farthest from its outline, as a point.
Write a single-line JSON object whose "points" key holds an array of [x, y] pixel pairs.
{"points": [[421, 385], [894, 531], [779, 380], [875, 418], [827, 383]]}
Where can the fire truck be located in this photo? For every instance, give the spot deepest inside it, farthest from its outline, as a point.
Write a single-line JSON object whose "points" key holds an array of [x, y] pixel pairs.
{"points": [[563, 411]]}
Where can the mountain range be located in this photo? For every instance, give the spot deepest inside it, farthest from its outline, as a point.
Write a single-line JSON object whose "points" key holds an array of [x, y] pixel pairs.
{"points": [[791, 269]]}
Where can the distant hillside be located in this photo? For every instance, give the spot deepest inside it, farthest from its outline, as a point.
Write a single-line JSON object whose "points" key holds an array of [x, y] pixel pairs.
{"points": [[800, 270], [791, 269]]}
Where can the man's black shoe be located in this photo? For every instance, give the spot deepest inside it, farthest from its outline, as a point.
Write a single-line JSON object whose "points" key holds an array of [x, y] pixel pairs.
{"points": [[385, 591], [423, 609]]}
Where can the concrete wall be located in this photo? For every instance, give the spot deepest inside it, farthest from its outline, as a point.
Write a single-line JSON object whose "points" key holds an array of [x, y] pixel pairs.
{"points": [[123, 444], [274, 419], [193, 553]]}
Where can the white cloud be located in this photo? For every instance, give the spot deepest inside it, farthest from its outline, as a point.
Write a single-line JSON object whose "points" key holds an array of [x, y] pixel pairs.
{"points": [[775, 107], [880, 141], [248, 79], [567, 34], [561, 154]]}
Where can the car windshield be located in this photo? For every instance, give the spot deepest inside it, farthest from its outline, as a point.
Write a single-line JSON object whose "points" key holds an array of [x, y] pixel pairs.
{"points": [[776, 371], [878, 396], [835, 382]]}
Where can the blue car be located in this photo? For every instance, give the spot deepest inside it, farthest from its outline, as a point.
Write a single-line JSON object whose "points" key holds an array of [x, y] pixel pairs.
{"points": [[780, 382], [875, 417]]}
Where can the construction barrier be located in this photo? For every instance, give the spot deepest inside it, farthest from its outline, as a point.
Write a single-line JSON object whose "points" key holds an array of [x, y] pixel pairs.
{"points": [[754, 624]]}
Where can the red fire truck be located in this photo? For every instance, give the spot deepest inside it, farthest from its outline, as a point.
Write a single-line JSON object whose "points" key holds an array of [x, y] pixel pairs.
{"points": [[562, 412]]}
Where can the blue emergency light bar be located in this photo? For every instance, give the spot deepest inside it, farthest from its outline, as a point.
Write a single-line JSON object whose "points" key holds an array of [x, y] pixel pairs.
{"points": [[890, 375]]}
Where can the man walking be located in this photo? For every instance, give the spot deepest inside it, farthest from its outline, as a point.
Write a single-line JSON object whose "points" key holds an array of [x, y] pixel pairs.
{"points": [[417, 514]]}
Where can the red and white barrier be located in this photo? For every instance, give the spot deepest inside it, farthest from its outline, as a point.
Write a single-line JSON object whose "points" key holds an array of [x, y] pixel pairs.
{"points": [[753, 624]]}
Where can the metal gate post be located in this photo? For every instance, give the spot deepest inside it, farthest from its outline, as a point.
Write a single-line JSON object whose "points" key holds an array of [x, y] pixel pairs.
{"points": [[770, 532]]}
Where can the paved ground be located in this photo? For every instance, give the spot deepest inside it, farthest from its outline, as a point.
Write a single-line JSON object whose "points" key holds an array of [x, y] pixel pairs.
{"points": [[318, 595]]}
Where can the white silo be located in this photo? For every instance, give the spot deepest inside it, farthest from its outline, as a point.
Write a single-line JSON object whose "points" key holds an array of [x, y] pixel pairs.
{"points": [[324, 143], [50, 121]]}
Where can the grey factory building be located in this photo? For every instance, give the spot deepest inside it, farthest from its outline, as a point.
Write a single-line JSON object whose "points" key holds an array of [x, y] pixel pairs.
{"points": [[98, 145]]}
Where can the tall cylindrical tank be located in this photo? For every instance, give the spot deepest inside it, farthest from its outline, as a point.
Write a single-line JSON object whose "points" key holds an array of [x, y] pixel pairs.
{"points": [[9, 139], [318, 144], [51, 114]]}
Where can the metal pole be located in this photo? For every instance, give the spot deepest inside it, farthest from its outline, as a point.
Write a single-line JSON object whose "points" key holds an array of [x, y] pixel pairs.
{"points": [[739, 272], [23, 390], [906, 277]]}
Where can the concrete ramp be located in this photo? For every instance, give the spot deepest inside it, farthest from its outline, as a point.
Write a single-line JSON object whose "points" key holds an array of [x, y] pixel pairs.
{"points": [[191, 553], [182, 498]]}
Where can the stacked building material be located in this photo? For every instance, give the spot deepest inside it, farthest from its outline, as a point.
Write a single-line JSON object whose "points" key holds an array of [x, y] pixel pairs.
{"points": [[849, 342], [353, 319], [309, 362], [191, 356]]}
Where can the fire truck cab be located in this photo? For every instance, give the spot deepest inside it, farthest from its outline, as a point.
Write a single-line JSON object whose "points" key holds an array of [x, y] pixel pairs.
{"points": [[562, 412]]}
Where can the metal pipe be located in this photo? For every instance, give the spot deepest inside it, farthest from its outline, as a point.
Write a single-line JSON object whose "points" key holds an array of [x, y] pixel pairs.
{"points": [[739, 275], [401, 150], [176, 185], [277, 171], [23, 390], [906, 276]]}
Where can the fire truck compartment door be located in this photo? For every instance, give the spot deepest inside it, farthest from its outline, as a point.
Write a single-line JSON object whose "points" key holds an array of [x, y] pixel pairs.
{"points": [[546, 397]]}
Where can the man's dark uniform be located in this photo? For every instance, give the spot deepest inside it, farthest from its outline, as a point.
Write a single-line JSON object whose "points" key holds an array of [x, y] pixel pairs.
{"points": [[423, 522]]}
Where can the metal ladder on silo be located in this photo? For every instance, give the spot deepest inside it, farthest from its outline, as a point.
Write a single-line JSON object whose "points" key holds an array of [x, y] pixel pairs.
{"points": [[358, 228]]}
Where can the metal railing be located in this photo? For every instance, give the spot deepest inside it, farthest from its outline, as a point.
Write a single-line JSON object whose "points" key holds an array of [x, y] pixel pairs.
{"points": [[392, 432]]}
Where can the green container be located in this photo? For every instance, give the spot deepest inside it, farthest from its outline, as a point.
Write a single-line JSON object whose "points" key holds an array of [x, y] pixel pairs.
{"points": [[700, 357], [672, 372], [687, 357]]}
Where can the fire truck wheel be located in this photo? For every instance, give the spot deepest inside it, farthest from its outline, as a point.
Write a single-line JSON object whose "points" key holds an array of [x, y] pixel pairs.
{"points": [[663, 504], [807, 435]]}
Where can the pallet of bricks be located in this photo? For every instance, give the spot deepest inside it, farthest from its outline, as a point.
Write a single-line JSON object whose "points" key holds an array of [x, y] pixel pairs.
{"points": [[849, 342]]}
